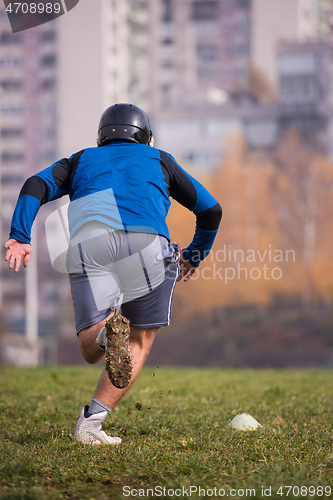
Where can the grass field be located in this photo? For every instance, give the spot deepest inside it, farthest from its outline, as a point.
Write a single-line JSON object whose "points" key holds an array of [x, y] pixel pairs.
{"points": [[177, 441]]}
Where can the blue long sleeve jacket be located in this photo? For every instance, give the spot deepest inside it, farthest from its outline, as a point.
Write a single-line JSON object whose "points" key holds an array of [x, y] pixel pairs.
{"points": [[125, 185]]}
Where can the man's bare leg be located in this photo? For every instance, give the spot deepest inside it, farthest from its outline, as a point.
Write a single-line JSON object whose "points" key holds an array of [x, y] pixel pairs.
{"points": [[140, 343], [88, 428], [87, 342]]}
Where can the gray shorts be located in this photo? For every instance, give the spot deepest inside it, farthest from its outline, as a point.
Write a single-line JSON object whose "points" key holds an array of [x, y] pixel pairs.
{"points": [[112, 268]]}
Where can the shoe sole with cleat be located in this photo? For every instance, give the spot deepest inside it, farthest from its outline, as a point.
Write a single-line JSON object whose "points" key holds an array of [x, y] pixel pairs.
{"points": [[118, 362]]}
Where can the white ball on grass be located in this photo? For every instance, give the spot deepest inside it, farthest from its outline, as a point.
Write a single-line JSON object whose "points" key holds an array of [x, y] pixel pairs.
{"points": [[244, 422]]}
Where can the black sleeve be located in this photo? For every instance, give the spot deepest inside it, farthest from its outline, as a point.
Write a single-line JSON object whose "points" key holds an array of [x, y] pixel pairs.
{"points": [[191, 194], [54, 181]]}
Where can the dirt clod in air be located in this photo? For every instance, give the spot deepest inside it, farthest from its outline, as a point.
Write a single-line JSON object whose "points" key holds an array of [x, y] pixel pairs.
{"points": [[138, 406]]}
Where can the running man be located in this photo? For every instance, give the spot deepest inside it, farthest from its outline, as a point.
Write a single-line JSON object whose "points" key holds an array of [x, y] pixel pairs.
{"points": [[120, 255]]}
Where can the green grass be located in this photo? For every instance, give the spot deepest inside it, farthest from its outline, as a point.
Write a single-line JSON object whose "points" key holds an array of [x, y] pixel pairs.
{"points": [[181, 441]]}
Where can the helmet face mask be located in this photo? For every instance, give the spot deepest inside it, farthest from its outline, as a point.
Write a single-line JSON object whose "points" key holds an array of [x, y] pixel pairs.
{"points": [[124, 122]]}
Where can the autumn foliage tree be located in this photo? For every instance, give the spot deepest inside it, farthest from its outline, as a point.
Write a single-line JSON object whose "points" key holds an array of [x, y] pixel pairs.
{"points": [[274, 241], [302, 190]]}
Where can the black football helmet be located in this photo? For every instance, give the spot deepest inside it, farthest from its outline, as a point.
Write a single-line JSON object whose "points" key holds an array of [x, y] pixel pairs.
{"points": [[124, 122]]}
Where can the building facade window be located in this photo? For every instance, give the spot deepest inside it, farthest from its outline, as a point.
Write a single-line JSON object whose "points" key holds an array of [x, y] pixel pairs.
{"points": [[11, 85], [167, 16], [48, 85], [11, 110], [205, 75], [50, 156], [302, 90], [10, 62], [202, 11], [207, 53], [11, 133], [11, 178], [11, 157], [228, 6], [49, 61], [50, 133], [168, 64], [208, 27], [48, 36], [166, 94], [244, 4], [7, 38]]}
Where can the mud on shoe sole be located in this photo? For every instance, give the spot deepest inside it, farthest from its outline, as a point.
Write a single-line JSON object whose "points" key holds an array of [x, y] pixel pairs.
{"points": [[118, 362]]}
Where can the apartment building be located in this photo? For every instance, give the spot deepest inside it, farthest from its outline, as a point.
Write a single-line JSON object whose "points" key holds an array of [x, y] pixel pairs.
{"points": [[275, 21], [56, 79], [199, 51], [102, 60], [208, 57], [28, 135], [306, 97], [195, 47]]}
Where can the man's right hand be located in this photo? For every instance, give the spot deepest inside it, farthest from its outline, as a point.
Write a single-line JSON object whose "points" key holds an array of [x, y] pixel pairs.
{"points": [[16, 251]]}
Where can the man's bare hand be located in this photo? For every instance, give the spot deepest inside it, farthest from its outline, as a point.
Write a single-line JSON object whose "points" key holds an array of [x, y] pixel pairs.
{"points": [[16, 251], [186, 270]]}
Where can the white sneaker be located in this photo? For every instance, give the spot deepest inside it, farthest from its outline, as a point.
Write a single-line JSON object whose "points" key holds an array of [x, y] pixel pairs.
{"points": [[89, 431]]}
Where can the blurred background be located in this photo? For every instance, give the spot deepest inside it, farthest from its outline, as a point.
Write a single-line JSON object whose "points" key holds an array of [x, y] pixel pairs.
{"points": [[241, 93]]}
